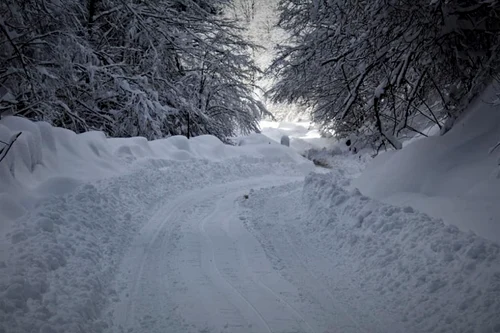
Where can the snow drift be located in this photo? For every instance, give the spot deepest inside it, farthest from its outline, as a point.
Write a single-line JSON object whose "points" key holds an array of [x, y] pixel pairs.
{"points": [[432, 277], [47, 159], [451, 177]]}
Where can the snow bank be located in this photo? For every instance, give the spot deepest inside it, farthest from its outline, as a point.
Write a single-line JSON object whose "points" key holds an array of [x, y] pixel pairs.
{"points": [[61, 158], [69, 205], [432, 276], [451, 177]]}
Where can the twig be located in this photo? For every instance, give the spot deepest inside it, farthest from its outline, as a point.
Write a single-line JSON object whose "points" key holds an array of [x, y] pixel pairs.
{"points": [[4, 151], [494, 147], [21, 58]]}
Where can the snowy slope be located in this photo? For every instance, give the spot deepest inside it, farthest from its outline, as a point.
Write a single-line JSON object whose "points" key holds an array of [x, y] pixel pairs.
{"points": [[47, 160], [452, 177]]}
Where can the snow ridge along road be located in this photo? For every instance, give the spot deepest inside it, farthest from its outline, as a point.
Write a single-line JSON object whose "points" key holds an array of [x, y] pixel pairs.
{"points": [[195, 268]]}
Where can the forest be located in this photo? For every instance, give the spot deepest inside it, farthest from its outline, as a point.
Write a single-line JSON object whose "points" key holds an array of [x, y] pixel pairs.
{"points": [[128, 68], [249, 166], [371, 71]]}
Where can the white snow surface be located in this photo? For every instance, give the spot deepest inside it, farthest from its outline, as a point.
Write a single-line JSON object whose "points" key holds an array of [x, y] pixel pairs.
{"points": [[375, 267], [71, 205], [303, 135], [453, 177], [106, 235]]}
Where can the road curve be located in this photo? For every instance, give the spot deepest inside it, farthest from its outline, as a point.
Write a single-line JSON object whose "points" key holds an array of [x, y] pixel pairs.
{"points": [[194, 267]]}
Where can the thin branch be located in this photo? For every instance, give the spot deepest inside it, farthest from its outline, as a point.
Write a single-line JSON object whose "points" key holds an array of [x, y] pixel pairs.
{"points": [[4, 151]]}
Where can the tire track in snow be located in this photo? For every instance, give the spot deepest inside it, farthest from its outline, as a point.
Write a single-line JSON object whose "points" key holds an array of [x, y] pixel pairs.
{"points": [[299, 259], [228, 216], [232, 287], [263, 285], [331, 296], [318, 281], [165, 214], [146, 281], [252, 275]]}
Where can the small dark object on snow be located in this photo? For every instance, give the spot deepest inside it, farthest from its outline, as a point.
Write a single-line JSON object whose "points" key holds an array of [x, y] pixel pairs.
{"points": [[245, 196], [285, 140], [348, 142]]}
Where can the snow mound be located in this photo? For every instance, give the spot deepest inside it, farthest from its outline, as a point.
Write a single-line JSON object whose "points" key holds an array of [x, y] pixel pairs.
{"points": [[453, 177], [57, 186], [43, 152], [434, 276]]}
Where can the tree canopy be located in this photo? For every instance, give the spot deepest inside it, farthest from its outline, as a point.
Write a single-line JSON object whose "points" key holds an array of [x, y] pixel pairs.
{"points": [[128, 67], [374, 69]]}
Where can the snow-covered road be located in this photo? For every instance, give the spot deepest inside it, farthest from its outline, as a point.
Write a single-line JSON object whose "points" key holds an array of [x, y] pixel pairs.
{"points": [[187, 236], [194, 267]]}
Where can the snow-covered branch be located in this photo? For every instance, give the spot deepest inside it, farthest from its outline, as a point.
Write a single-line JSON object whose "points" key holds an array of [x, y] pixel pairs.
{"points": [[127, 67], [373, 68]]}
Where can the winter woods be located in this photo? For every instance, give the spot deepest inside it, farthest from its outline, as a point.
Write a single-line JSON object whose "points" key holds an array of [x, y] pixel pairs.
{"points": [[128, 68], [378, 69]]}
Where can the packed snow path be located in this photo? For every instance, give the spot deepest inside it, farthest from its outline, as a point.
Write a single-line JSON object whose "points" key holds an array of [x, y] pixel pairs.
{"points": [[194, 267]]}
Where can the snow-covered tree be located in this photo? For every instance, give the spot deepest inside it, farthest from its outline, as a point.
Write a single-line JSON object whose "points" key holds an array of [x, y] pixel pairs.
{"points": [[245, 9], [261, 28], [129, 68], [375, 69]]}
